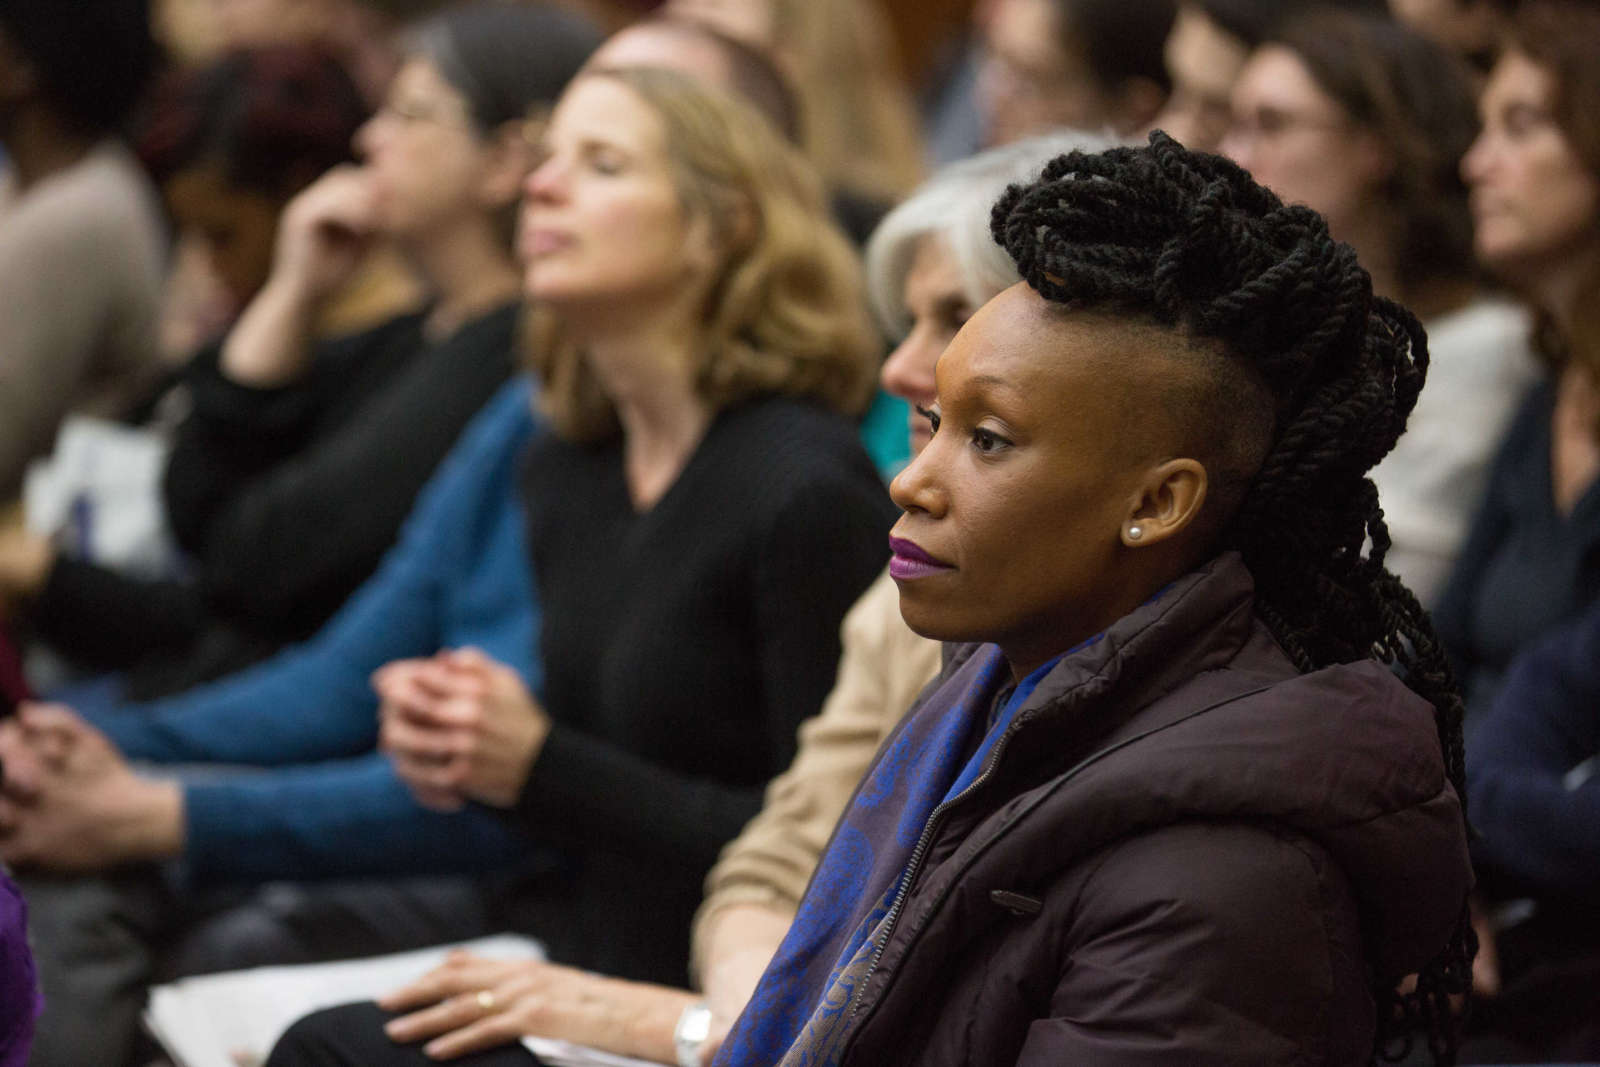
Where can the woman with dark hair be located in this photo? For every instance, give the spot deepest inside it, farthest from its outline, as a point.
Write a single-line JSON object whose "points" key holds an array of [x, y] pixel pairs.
{"points": [[229, 145], [1207, 49], [1534, 744], [80, 235], [1530, 559], [1365, 122], [290, 476], [1167, 803], [1091, 65]]}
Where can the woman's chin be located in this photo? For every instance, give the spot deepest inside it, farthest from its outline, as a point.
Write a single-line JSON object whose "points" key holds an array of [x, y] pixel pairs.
{"points": [[926, 620]]}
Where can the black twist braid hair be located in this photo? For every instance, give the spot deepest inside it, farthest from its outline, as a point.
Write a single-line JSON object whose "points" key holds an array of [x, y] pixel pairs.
{"points": [[1189, 242]]}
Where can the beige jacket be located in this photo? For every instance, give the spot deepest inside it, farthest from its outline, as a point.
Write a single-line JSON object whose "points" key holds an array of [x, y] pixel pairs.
{"points": [[883, 668]]}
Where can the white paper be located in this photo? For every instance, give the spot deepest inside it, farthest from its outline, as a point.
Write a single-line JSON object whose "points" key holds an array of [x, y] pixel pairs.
{"points": [[564, 1054], [234, 1019], [99, 493]]}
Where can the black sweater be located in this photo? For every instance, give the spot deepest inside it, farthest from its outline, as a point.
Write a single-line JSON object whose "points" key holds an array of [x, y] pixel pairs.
{"points": [[285, 498], [682, 648]]}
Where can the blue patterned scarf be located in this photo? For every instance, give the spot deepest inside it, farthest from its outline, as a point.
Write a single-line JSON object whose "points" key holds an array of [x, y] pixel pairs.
{"points": [[794, 1013]]}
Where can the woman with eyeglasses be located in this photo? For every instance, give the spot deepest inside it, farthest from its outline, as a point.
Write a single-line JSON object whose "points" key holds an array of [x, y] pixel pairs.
{"points": [[1365, 121], [300, 458], [1534, 749]]}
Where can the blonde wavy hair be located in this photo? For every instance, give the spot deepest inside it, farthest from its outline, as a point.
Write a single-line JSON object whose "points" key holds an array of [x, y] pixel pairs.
{"points": [[787, 313]]}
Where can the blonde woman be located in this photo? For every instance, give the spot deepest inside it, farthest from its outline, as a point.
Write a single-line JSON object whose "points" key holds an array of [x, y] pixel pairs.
{"points": [[701, 517]]}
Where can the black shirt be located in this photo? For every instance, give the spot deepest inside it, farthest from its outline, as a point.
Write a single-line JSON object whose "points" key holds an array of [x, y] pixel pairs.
{"points": [[286, 499], [682, 647]]}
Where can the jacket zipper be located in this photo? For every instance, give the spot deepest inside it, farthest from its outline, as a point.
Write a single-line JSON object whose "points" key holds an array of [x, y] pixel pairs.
{"points": [[917, 854]]}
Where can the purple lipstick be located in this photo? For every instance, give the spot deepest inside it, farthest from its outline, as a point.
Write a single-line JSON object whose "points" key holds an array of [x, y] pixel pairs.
{"points": [[910, 561]]}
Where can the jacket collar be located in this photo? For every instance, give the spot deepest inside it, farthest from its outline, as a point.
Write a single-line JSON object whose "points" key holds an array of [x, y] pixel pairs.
{"points": [[1199, 624]]}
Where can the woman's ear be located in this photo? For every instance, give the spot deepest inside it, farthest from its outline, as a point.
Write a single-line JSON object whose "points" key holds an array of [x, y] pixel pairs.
{"points": [[711, 242], [1170, 498]]}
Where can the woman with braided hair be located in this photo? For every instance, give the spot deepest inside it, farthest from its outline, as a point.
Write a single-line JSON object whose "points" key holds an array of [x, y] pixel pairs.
{"points": [[1167, 802]]}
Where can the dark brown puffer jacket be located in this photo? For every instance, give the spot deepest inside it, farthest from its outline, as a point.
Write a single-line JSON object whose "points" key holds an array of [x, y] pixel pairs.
{"points": [[1186, 853]]}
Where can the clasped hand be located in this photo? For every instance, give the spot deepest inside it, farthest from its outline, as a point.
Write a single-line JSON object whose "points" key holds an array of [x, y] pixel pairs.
{"points": [[459, 727], [70, 802]]}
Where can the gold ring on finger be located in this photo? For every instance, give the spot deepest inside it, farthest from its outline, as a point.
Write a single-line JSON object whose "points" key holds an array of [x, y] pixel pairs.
{"points": [[485, 1000]]}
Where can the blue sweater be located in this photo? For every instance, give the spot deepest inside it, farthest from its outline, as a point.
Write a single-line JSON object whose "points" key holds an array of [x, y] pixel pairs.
{"points": [[330, 805], [1530, 766]]}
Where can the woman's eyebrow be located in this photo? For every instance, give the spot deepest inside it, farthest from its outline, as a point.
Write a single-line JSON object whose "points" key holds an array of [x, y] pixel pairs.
{"points": [[995, 381]]}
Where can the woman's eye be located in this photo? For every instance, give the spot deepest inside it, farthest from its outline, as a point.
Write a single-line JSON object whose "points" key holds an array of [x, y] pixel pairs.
{"points": [[606, 164], [987, 441], [1522, 120], [930, 415]]}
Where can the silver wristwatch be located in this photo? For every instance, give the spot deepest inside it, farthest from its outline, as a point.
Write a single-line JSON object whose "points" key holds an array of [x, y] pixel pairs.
{"points": [[689, 1036]]}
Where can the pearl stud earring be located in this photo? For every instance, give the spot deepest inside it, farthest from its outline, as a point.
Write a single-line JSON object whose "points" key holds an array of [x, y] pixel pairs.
{"points": [[1135, 532]]}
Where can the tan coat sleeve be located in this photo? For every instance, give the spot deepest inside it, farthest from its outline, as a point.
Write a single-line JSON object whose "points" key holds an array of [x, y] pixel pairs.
{"points": [[80, 276], [883, 668]]}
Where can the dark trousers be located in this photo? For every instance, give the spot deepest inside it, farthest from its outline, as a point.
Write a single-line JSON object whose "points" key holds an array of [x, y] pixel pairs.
{"points": [[99, 942], [352, 1036]]}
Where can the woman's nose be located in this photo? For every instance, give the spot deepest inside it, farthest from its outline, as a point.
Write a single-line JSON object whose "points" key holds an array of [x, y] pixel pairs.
{"points": [[908, 372], [544, 181], [918, 486], [1476, 160]]}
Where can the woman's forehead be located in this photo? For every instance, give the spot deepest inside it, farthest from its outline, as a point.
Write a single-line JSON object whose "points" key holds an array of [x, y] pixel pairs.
{"points": [[603, 108]]}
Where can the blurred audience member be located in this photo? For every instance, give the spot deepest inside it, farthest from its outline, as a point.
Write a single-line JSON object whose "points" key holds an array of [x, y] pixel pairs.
{"points": [[1084, 64], [360, 32], [707, 52], [1531, 559], [1366, 122], [1531, 767], [286, 431], [860, 126], [1469, 28], [931, 264], [1029, 66], [711, 56], [81, 247], [230, 144], [1206, 50]]}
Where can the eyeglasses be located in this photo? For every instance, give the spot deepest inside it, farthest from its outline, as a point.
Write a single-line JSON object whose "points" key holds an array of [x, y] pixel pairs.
{"points": [[1270, 124], [1030, 82], [412, 112]]}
